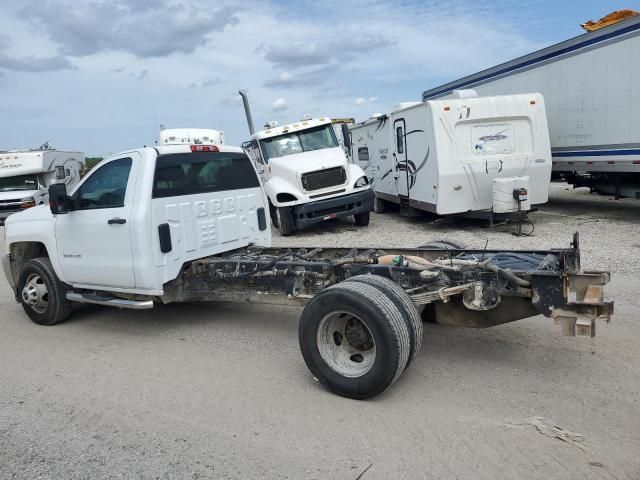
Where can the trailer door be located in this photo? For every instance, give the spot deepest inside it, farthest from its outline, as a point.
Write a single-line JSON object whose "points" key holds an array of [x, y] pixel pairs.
{"points": [[401, 170]]}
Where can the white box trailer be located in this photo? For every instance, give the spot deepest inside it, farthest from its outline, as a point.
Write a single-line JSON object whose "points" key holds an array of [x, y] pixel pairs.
{"points": [[25, 176], [591, 86], [449, 156]]}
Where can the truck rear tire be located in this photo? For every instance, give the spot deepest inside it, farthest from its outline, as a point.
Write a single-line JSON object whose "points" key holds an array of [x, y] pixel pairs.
{"points": [[285, 221], [379, 205], [42, 294], [362, 219], [403, 302], [354, 340]]}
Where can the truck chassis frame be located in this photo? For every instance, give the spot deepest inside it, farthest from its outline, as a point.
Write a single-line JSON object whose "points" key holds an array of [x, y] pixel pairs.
{"points": [[363, 307]]}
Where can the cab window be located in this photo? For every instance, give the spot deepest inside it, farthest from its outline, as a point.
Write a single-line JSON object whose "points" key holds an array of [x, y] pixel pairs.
{"points": [[106, 187], [201, 172]]}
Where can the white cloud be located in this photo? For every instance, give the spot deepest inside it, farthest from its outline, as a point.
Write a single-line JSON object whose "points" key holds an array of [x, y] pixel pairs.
{"points": [[314, 56], [279, 105], [365, 100]]}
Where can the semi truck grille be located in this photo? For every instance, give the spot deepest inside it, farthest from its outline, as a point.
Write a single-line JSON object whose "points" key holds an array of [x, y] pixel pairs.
{"points": [[324, 178]]}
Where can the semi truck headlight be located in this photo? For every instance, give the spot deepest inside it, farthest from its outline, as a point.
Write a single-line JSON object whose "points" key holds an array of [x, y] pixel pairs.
{"points": [[27, 202], [361, 182]]}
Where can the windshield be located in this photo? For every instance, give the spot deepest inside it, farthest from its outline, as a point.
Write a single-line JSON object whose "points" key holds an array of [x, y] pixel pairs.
{"points": [[19, 182], [297, 142]]}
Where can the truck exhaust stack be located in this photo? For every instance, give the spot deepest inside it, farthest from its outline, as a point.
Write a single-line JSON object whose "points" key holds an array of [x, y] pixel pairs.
{"points": [[247, 111]]}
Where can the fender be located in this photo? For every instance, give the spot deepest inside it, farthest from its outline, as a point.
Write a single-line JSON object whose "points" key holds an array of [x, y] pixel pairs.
{"points": [[277, 185], [37, 229]]}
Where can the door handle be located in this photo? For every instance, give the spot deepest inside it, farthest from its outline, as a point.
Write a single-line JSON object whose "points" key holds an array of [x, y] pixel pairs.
{"points": [[119, 221]]}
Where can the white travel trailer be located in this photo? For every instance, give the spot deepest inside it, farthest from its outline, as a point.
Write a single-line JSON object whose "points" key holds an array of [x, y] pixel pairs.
{"points": [[25, 176], [456, 156], [591, 86]]}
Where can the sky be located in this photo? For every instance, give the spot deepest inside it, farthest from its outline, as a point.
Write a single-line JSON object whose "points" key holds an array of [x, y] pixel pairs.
{"points": [[101, 76]]}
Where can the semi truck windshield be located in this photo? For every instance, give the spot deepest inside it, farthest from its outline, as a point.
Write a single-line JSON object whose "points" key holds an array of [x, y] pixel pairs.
{"points": [[308, 140]]}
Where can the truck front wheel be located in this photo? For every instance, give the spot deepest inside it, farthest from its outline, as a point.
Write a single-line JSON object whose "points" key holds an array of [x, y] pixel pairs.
{"points": [[284, 218], [42, 294], [354, 340], [362, 219]]}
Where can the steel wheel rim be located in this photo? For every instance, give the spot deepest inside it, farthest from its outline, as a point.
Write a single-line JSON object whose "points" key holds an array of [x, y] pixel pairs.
{"points": [[35, 293], [345, 344]]}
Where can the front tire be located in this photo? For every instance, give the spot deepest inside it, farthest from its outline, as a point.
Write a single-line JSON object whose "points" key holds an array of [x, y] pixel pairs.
{"points": [[42, 294], [285, 221], [354, 340], [362, 219]]}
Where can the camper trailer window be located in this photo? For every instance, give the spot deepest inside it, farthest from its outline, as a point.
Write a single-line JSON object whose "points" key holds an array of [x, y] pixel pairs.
{"points": [[363, 154], [19, 182], [400, 140], [315, 138]]}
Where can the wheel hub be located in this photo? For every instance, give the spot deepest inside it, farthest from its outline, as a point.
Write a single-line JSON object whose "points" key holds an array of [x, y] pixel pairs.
{"points": [[346, 344], [35, 293]]}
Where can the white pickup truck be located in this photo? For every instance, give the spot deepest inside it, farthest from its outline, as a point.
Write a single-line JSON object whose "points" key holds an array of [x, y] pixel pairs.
{"points": [[179, 223]]}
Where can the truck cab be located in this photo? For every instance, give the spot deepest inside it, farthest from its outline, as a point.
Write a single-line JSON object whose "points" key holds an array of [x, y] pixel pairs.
{"points": [[306, 174], [137, 218]]}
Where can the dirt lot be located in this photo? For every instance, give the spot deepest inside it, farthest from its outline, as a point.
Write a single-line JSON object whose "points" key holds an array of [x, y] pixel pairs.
{"points": [[221, 391]]}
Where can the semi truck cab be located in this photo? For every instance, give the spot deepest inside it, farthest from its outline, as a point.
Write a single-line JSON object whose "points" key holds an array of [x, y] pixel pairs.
{"points": [[306, 174]]}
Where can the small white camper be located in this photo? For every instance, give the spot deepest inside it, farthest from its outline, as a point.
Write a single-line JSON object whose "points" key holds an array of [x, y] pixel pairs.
{"points": [[461, 155], [25, 176]]}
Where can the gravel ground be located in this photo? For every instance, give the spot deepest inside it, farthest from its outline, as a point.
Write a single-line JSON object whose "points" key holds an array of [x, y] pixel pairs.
{"points": [[219, 390], [609, 230]]}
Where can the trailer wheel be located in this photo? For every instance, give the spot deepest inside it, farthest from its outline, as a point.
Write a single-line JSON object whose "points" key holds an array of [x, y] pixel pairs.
{"points": [[362, 219], [354, 340], [379, 205], [42, 294], [285, 221], [403, 302], [444, 245]]}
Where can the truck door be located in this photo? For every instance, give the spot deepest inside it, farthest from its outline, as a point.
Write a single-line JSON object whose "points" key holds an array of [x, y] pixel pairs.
{"points": [[94, 242], [253, 152], [401, 170]]}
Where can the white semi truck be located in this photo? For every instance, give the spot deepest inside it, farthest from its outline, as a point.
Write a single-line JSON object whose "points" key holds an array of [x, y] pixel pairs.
{"points": [[591, 87], [463, 155], [179, 223], [306, 173], [25, 176]]}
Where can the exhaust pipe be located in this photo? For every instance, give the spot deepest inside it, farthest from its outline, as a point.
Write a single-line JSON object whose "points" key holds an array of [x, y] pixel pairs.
{"points": [[247, 111]]}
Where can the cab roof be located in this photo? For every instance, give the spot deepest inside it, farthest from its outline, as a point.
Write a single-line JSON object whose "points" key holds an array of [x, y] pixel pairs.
{"points": [[291, 127]]}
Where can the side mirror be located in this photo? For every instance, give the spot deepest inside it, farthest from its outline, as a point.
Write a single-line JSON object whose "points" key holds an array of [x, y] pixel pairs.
{"points": [[60, 173], [59, 201], [346, 136]]}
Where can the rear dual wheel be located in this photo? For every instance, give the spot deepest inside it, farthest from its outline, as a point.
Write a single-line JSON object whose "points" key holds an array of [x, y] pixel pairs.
{"points": [[356, 339]]}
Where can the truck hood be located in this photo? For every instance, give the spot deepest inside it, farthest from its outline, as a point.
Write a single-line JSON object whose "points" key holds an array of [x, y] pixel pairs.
{"points": [[16, 194], [300, 163], [291, 167], [39, 212]]}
